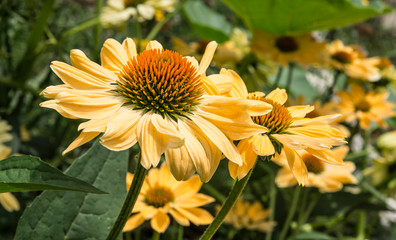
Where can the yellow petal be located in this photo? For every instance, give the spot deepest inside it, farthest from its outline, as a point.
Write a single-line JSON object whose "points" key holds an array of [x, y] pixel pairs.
{"points": [[9, 202], [53, 105], [94, 125], [82, 62], [263, 145], [180, 163], [300, 111], [133, 222], [317, 131], [207, 58], [77, 78], [296, 165], [288, 141], [167, 127], [160, 222], [196, 200], [249, 156], [153, 45], [209, 86], [219, 139], [113, 55], [278, 95], [149, 212], [80, 140], [197, 216], [239, 89], [285, 178], [180, 219], [130, 48], [189, 187], [223, 83], [326, 155], [322, 120]]}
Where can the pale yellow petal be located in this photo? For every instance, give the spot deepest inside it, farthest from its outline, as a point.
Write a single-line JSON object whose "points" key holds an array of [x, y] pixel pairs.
{"points": [[296, 165], [209, 86], [133, 222], [53, 105], [285, 178], [300, 111], [189, 187], [326, 155], [84, 137], [113, 55], [263, 145], [180, 219], [278, 95], [82, 62], [249, 156], [328, 119], [196, 200], [95, 125], [160, 222], [288, 141], [207, 58], [317, 131], [238, 85], [154, 45], [180, 163], [9, 202], [130, 48], [167, 127], [197, 216]]}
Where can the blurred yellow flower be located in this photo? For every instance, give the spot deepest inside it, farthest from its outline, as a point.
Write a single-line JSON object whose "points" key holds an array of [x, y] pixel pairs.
{"points": [[367, 107], [303, 49], [158, 98], [364, 69], [326, 177], [162, 194], [341, 55], [288, 129], [7, 200], [251, 216], [117, 12]]}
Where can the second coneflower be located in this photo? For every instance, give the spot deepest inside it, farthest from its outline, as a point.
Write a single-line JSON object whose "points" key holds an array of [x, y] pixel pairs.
{"points": [[158, 98], [287, 129]]}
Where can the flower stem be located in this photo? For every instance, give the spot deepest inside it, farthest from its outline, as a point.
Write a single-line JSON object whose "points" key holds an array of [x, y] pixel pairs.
{"points": [[156, 235], [180, 232], [227, 205], [292, 211], [80, 27], [272, 199], [361, 226], [289, 76], [213, 192], [278, 76], [130, 200], [159, 25]]}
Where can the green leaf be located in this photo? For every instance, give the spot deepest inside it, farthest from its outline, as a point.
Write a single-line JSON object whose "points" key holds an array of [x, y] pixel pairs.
{"points": [[286, 17], [207, 23], [74, 215], [314, 236], [28, 173]]}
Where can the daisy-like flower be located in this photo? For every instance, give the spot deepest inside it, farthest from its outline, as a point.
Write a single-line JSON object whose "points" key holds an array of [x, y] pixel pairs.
{"points": [[287, 129], [117, 12], [367, 107], [158, 98], [326, 177], [251, 216], [364, 69], [7, 200], [303, 49], [162, 194], [341, 55]]}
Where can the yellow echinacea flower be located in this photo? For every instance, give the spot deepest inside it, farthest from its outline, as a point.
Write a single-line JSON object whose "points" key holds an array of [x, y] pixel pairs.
{"points": [[162, 194], [158, 98], [326, 177], [287, 129], [250, 216], [367, 107]]}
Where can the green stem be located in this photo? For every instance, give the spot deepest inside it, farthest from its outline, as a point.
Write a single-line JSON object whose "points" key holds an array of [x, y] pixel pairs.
{"points": [[289, 76], [292, 211], [137, 233], [180, 232], [361, 226], [156, 235], [231, 233], [160, 24], [97, 31], [130, 200], [272, 194], [213, 192], [80, 27], [227, 205], [278, 76], [301, 212]]}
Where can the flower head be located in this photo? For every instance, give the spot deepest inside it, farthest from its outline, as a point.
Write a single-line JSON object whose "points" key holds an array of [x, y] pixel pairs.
{"points": [[326, 177], [158, 98], [162, 194], [303, 49], [287, 129], [251, 216], [367, 107]]}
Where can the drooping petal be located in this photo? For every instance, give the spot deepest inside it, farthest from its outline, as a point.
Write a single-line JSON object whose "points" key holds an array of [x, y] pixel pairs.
{"points": [[180, 163], [53, 105], [197, 216], [151, 148], [9, 202], [180, 218], [296, 165], [328, 119], [249, 156], [167, 127], [84, 137], [196, 200], [189, 187], [160, 222], [263, 145]]}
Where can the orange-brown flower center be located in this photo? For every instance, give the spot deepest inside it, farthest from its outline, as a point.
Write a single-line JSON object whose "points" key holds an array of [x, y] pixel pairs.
{"points": [[161, 81], [286, 44], [314, 164], [363, 106], [342, 57], [277, 121], [158, 196]]}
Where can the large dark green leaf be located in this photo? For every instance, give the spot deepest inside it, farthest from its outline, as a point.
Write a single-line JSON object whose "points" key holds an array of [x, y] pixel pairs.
{"points": [[207, 23], [301, 16], [73, 215], [28, 173]]}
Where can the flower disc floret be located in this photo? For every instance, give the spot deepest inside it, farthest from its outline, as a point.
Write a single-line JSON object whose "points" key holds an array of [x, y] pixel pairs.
{"points": [[286, 44], [161, 81], [313, 163], [159, 196]]}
